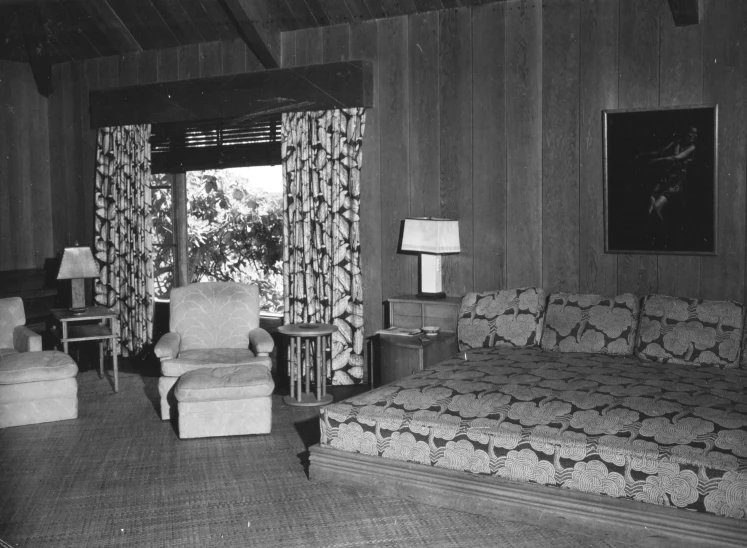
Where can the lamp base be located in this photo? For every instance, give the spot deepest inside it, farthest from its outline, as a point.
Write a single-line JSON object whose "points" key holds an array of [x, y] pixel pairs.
{"points": [[434, 296]]}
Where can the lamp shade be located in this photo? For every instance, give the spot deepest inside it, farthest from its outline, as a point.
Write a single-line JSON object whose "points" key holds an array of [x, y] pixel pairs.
{"points": [[77, 262], [430, 235]]}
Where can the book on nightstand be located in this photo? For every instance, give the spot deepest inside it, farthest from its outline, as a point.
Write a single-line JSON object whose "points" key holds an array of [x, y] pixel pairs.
{"points": [[395, 330]]}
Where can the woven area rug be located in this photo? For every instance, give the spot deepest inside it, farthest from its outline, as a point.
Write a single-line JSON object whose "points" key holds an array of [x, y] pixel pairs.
{"points": [[119, 476]]}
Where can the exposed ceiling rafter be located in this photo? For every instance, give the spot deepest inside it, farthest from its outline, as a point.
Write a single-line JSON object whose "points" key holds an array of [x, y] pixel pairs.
{"points": [[36, 37], [260, 38], [686, 12]]}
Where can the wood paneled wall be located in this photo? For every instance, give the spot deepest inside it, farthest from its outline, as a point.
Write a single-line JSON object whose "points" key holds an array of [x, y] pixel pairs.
{"points": [[25, 194], [492, 115]]}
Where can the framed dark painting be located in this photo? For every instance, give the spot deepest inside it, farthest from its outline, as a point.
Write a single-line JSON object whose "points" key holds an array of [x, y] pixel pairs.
{"points": [[660, 180]]}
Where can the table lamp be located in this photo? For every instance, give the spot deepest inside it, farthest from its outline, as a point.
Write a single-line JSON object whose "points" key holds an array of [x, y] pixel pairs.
{"points": [[77, 263], [431, 238]]}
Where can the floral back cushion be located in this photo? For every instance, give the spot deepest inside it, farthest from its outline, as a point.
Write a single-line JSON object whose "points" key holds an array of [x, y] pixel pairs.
{"points": [[690, 331], [591, 323], [511, 317]]}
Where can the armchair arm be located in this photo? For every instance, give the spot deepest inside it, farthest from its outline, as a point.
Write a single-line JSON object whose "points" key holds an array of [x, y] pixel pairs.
{"points": [[167, 346], [261, 342], [26, 340]]}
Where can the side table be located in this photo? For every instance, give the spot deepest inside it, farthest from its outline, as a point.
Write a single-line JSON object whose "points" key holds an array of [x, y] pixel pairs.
{"points": [[308, 347], [77, 332]]}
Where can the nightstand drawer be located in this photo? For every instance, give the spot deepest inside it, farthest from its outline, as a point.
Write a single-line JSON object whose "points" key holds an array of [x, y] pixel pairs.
{"points": [[404, 314]]}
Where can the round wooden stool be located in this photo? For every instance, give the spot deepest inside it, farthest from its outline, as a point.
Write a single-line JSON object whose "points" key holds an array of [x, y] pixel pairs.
{"points": [[308, 347]]}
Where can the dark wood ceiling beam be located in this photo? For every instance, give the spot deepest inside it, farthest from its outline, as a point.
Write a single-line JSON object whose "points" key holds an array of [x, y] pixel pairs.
{"points": [[263, 40], [316, 87], [686, 12], [36, 37]]}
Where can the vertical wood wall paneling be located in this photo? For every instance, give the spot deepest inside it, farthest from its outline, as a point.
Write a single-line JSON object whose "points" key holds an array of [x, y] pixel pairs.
{"points": [[168, 65], [39, 177], [725, 74], [86, 149], [638, 87], [423, 177], [147, 67], [681, 83], [65, 169], [524, 147], [560, 129], [128, 70], [211, 59], [233, 57], [455, 135], [309, 47], [489, 146], [336, 43], [598, 91], [60, 194], [83, 187], [189, 61], [393, 123], [6, 239], [364, 45], [22, 104], [288, 49]]}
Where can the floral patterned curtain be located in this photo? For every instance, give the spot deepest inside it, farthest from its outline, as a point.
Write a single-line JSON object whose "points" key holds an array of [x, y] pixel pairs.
{"points": [[321, 253], [123, 232]]}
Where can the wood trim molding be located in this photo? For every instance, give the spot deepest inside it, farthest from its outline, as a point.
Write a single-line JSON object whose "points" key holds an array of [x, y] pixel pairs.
{"points": [[36, 38], [346, 84], [637, 523]]}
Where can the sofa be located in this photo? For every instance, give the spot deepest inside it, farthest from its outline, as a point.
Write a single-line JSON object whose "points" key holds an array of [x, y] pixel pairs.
{"points": [[629, 413]]}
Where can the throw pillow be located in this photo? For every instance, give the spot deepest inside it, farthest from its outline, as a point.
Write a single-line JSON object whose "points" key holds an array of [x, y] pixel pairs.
{"points": [[690, 331], [591, 323], [511, 317]]}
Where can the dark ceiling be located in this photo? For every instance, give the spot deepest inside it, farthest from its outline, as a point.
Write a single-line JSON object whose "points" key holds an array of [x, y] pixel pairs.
{"points": [[72, 30]]}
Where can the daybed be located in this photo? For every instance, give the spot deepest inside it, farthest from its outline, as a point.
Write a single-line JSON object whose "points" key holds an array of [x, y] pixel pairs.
{"points": [[567, 414]]}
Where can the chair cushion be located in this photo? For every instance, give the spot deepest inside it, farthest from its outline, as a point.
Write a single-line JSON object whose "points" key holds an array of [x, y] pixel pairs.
{"points": [[47, 365], [224, 383], [214, 314], [511, 317], [690, 331], [8, 351], [591, 323], [11, 315], [213, 357]]}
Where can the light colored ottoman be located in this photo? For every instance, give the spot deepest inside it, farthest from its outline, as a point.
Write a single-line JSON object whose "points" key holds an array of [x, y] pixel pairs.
{"points": [[37, 387], [225, 401]]}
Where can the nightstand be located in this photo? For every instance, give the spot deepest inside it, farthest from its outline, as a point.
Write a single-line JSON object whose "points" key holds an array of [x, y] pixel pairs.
{"points": [[397, 356], [400, 356]]}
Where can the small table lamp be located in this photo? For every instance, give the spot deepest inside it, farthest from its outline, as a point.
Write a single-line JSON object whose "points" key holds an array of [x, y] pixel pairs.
{"points": [[431, 238], [77, 263]]}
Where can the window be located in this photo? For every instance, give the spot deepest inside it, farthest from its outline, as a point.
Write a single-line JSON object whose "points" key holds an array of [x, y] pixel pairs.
{"points": [[218, 225]]}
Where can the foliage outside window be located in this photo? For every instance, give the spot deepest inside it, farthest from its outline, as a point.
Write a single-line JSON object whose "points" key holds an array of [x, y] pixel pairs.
{"points": [[235, 234]]}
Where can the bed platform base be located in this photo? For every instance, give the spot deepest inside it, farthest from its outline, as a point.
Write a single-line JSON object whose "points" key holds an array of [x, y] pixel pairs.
{"points": [[637, 523]]}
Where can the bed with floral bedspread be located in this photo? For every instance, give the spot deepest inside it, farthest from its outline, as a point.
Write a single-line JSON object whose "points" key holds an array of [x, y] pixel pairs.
{"points": [[577, 405], [612, 425]]}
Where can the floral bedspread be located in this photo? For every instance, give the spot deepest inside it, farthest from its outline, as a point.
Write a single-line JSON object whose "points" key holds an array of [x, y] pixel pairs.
{"points": [[666, 434]]}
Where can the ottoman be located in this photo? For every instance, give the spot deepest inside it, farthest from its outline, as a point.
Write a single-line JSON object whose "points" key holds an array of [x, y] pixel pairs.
{"points": [[225, 401], [37, 387]]}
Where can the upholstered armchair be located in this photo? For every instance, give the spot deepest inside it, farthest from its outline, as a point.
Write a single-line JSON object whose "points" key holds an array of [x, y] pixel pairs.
{"points": [[14, 335], [211, 324]]}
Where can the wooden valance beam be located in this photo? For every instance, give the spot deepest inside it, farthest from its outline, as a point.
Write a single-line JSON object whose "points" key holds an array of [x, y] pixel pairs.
{"points": [[347, 84], [261, 39], [686, 12]]}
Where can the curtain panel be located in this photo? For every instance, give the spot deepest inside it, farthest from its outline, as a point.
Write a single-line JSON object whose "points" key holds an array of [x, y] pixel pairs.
{"points": [[123, 232], [322, 155]]}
